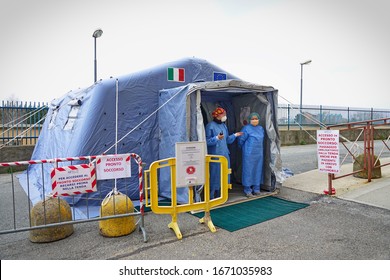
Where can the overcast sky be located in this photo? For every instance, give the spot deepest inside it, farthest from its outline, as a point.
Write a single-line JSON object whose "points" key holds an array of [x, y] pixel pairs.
{"points": [[47, 46]]}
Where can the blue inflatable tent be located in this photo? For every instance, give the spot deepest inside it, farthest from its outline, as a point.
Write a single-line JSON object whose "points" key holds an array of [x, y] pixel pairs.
{"points": [[157, 107]]}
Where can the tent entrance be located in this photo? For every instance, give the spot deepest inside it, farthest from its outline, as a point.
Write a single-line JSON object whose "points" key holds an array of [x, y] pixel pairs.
{"points": [[187, 110], [238, 107]]}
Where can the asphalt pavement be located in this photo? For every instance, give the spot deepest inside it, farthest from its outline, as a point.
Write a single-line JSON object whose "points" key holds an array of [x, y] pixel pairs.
{"points": [[348, 226]]}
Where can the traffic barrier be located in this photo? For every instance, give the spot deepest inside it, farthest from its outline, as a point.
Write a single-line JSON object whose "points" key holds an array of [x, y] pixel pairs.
{"points": [[366, 165], [21, 215], [151, 189]]}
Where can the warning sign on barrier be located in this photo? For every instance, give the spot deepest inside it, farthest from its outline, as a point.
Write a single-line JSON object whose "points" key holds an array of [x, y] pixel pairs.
{"points": [[190, 163], [328, 151], [113, 166], [73, 179]]}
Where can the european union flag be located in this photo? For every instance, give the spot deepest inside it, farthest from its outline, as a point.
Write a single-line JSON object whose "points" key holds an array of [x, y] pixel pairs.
{"points": [[219, 76]]}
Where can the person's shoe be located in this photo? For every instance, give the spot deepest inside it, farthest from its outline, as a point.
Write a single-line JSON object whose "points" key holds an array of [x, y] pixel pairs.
{"points": [[249, 195], [256, 193]]}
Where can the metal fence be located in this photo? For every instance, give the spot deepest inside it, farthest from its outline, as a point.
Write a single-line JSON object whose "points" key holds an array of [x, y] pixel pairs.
{"points": [[289, 116], [21, 122], [16, 208], [366, 164]]}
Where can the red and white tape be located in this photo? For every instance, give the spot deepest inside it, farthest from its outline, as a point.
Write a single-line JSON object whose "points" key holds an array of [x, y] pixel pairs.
{"points": [[136, 157], [54, 160]]}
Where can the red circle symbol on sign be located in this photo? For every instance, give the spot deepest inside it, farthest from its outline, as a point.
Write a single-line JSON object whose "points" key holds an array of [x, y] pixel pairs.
{"points": [[190, 170]]}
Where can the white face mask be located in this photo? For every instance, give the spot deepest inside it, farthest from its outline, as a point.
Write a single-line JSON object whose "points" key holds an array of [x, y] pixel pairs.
{"points": [[223, 119]]}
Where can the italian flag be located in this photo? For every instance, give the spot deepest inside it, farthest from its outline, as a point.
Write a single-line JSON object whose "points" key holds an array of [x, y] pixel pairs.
{"points": [[176, 74]]}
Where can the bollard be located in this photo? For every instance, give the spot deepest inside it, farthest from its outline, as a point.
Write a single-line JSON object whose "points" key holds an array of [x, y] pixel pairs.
{"points": [[51, 210], [116, 204]]}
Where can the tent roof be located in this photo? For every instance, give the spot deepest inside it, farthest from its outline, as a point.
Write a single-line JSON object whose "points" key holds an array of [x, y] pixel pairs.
{"points": [[230, 85]]}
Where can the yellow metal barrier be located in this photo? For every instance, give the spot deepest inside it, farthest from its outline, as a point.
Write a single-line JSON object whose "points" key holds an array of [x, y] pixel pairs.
{"points": [[173, 209]]}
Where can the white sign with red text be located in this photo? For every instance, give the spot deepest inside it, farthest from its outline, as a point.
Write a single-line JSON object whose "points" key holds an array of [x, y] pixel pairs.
{"points": [[328, 151], [113, 166], [190, 163], [73, 179]]}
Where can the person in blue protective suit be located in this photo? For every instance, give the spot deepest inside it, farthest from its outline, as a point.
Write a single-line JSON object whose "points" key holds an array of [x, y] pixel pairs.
{"points": [[252, 144], [218, 138]]}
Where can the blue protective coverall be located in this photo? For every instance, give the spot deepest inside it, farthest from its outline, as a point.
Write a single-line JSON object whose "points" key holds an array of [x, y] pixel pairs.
{"points": [[217, 147], [252, 144]]}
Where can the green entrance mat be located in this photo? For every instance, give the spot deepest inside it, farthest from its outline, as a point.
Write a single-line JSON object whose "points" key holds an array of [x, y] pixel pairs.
{"points": [[255, 211]]}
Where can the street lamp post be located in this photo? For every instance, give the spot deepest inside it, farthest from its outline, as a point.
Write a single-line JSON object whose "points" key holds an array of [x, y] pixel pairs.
{"points": [[300, 103], [96, 34]]}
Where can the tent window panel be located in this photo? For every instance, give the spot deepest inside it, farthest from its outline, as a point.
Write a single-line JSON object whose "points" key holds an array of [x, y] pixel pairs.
{"points": [[71, 118]]}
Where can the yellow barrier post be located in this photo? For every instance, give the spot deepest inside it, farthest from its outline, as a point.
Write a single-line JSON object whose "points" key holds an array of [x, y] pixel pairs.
{"points": [[224, 189], [207, 218], [173, 225], [147, 188], [174, 209]]}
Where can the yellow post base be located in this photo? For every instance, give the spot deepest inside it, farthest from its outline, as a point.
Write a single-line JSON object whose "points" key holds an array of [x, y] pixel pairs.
{"points": [[176, 229], [207, 220]]}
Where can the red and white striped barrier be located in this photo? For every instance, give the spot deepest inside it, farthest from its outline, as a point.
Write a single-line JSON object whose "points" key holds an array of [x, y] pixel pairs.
{"points": [[54, 160], [136, 157]]}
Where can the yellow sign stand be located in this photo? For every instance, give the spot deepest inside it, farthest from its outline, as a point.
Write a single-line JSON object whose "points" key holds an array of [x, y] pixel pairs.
{"points": [[151, 176]]}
